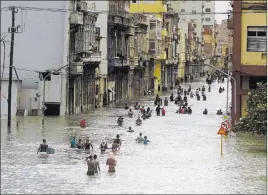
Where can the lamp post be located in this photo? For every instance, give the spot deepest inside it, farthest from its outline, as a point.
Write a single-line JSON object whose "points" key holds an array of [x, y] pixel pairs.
{"points": [[228, 78]]}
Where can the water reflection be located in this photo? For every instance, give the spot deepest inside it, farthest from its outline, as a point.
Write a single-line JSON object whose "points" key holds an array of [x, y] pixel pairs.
{"points": [[183, 156]]}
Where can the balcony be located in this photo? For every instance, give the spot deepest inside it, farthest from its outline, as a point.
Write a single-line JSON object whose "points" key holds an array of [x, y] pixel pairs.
{"points": [[76, 18], [76, 68], [130, 31], [140, 19], [94, 57], [164, 32], [117, 62]]}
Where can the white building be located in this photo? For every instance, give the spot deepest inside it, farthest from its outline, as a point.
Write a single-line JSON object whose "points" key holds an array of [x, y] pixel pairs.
{"points": [[14, 97], [41, 44], [200, 13]]}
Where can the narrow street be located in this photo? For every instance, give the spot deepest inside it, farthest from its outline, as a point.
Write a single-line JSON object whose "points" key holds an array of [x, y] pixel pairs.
{"points": [[182, 157]]}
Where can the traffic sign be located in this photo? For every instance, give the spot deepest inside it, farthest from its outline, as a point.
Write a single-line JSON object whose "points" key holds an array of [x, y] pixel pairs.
{"points": [[226, 125], [222, 131], [225, 117]]}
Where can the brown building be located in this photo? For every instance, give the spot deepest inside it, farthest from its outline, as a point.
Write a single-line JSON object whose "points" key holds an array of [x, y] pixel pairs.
{"points": [[249, 51]]}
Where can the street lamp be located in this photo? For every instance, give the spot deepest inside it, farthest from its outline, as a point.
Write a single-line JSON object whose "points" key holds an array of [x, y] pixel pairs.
{"points": [[234, 85]]}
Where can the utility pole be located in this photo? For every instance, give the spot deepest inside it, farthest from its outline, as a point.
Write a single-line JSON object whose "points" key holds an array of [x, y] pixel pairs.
{"points": [[13, 30]]}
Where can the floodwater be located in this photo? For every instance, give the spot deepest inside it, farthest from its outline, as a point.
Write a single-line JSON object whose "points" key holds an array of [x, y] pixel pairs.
{"points": [[182, 157]]}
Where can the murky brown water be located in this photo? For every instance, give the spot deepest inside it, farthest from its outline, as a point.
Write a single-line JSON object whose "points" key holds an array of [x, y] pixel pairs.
{"points": [[182, 157]]}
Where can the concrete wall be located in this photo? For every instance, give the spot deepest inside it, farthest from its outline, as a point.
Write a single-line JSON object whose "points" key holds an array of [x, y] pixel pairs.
{"points": [[4, 97], [28, 99]]}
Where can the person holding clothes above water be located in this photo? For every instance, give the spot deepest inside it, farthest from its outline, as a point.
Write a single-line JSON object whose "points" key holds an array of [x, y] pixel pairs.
{"points": [[166, 102], [203, 88], [87, 144], [205, 112], [204, 97], [138, 121], [145, 140], [171, 97], [43, 147], [139, 138], [111, 162], [97, 164], [196, 92], [158, 109], [219, 112], [126, 107], [130, 130], [73, 142], [83, 123], [222, 88], [103, 146], [163, 111]]}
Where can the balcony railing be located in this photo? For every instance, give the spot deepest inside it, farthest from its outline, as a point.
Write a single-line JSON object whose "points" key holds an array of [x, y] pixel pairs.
{"points": [[94, 57], [140, 19], [116, 61]]}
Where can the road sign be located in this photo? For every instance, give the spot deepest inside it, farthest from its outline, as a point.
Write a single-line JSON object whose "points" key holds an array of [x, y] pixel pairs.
{"points": [[222, 131], [225, 117], [225, 125]]}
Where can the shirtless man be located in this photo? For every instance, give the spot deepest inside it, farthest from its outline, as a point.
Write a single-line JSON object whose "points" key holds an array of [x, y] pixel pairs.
{"points": [[43, 147]]}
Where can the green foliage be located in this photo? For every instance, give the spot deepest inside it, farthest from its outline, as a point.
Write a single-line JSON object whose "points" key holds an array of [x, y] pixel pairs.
{"points": [[256, 119]]}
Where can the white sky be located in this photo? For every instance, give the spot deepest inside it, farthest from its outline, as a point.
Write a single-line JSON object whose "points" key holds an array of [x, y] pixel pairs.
{"points": [[221, 6]]}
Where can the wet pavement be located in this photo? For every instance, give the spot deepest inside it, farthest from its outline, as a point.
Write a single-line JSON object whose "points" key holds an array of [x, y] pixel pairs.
{"points": [[182, 157]]}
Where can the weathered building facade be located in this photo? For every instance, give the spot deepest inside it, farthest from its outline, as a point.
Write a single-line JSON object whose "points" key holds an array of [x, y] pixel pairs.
{"points": [[119, 31], [84, 58], [249, 51]]}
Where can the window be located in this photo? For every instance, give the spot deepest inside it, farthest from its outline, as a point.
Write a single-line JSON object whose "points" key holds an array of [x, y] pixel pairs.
{"points": [[208, 10], [182, 10], [134, 1], [257, 39], [219, 50], [254, 80], [193, 11], [207, 19]]}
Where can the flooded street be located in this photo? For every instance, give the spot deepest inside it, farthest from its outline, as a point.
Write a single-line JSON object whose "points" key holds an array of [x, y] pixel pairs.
{"points": [[182, 157]]}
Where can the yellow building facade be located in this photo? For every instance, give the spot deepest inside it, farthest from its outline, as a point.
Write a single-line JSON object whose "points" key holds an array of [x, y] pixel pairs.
{"points": [[156, 33], [249, 50]]}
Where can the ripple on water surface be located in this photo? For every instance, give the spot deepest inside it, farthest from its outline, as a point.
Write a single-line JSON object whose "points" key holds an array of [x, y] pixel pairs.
{"points": [[182, 157]]}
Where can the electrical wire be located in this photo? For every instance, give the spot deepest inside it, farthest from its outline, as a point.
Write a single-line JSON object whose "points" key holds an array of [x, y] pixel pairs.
{"points": [[124, 12]]}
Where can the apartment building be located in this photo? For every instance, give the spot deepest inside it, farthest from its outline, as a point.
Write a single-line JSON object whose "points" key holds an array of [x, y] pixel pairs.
{"points": [[84, 57], [249, 51]]}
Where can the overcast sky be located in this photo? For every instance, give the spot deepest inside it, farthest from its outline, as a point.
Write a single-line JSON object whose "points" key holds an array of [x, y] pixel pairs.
{"points": [[221, 6]]}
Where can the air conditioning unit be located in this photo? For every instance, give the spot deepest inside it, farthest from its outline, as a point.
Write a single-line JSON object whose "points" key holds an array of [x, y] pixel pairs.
{"points": [[76, 18]]}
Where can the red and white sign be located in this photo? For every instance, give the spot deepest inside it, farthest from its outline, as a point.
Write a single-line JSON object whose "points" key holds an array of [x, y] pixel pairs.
{"points": [[226, 125]]}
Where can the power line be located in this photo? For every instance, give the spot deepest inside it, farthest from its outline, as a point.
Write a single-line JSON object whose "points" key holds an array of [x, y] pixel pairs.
{"points": [[124, 12]]}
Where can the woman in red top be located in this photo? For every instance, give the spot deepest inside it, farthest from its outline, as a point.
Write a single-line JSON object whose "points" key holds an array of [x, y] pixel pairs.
{"points": [[163, 111]]}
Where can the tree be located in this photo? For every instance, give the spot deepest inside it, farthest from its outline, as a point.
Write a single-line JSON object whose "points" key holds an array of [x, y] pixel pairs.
{"points": [[256, 119]]}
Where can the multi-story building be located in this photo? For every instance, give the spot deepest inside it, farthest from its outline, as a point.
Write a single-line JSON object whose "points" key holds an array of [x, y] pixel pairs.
{"points": [[201, 13], [84, 58], [181, 51], [142, 70], [208, 43], [249, 51], [119, 31], [155, 10], [170, 30], [45, 35]]}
